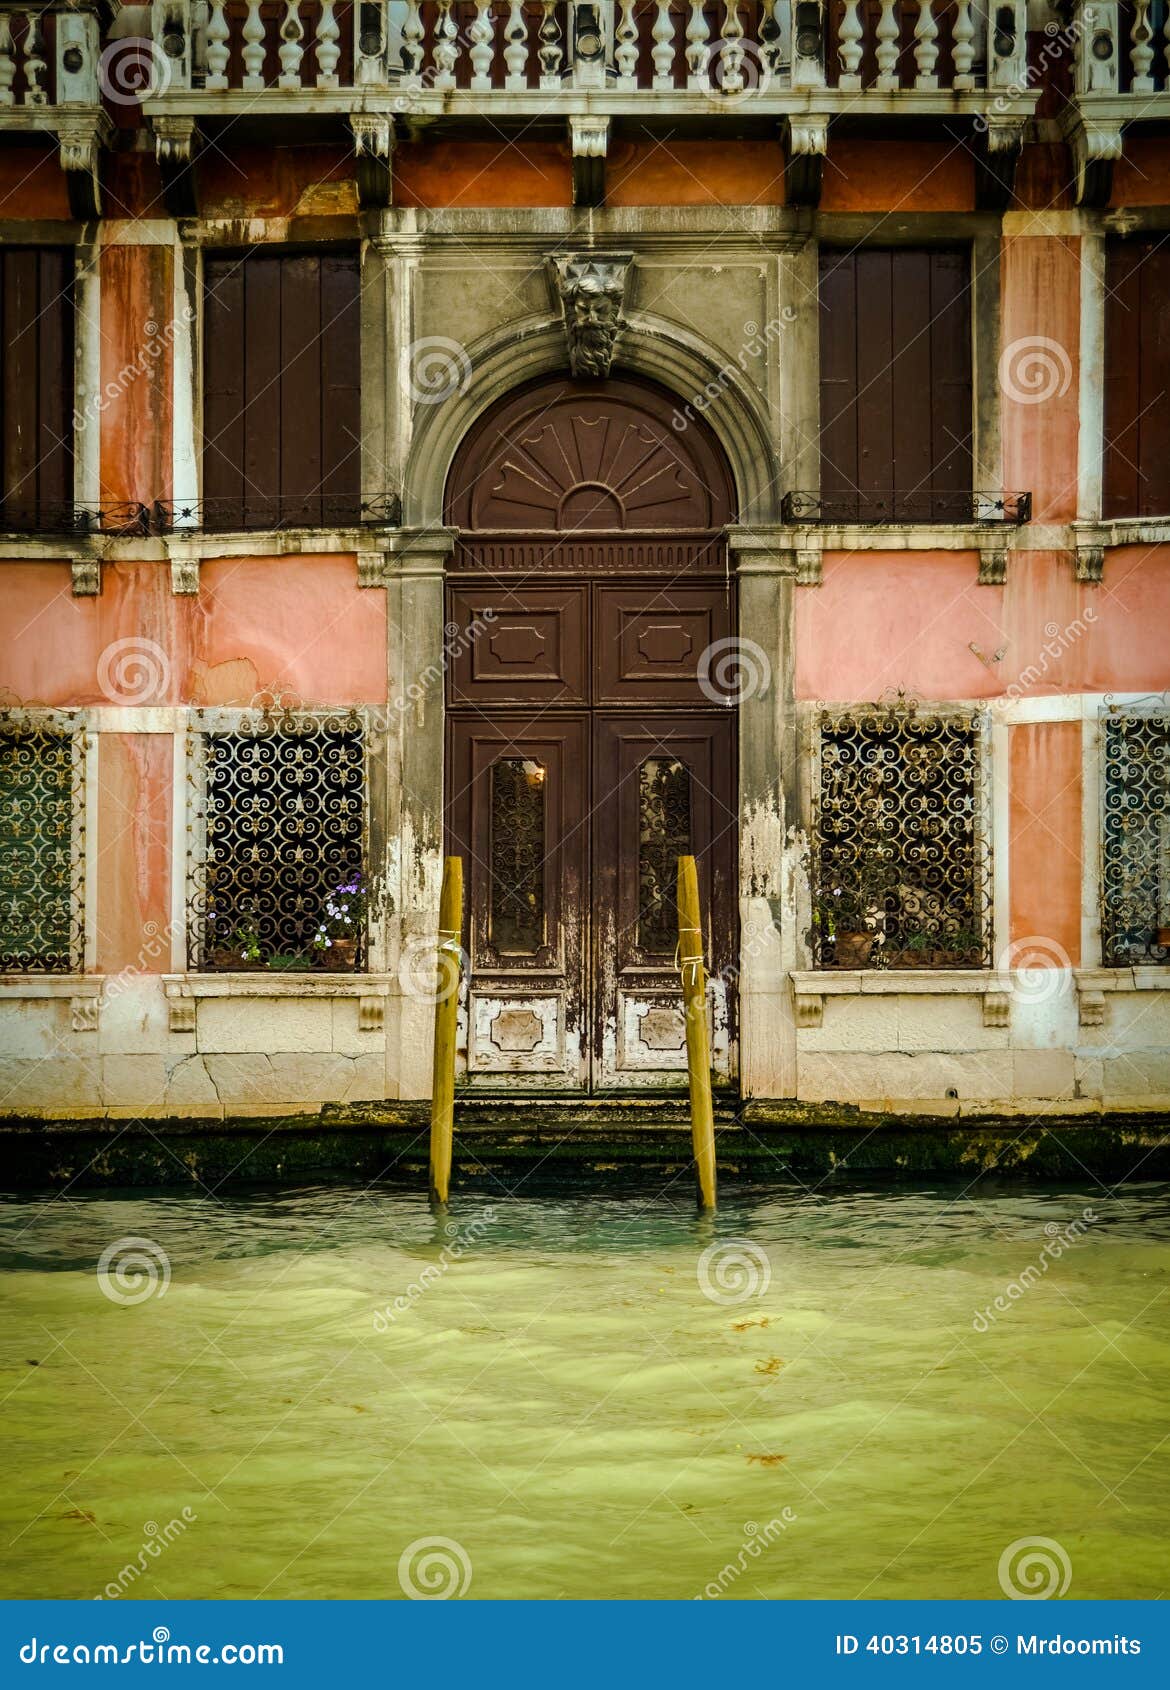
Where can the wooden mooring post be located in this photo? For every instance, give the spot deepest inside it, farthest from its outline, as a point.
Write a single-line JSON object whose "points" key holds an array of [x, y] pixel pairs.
{"points": [[446, 1022], [694, 984]]}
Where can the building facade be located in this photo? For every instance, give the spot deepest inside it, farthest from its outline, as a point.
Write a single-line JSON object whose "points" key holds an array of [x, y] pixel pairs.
{"points": [[569, 435]]}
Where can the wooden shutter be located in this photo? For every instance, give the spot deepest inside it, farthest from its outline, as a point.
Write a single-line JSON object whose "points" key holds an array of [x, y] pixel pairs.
{"points": [[1137, 378], [281, 390], [895, 385], [36, 385]]}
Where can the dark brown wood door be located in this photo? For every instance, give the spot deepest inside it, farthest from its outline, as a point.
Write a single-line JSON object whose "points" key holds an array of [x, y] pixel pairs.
{"points": [[587, 745]]}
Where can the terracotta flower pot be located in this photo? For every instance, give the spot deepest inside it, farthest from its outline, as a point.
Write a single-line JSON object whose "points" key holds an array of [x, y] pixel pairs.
{"points": [[340, 957], [226, 956], [853, 949]]}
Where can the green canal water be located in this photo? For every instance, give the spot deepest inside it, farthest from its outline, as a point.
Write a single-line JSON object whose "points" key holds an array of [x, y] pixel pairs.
{"points": [[814, 1394]]}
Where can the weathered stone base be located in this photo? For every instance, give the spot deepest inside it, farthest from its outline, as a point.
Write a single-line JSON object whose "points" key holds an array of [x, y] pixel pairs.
{"points": [[522, 1147]]}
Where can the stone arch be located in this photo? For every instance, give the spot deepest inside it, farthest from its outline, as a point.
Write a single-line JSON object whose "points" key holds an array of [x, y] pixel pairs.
{"points": [[706, 389]]}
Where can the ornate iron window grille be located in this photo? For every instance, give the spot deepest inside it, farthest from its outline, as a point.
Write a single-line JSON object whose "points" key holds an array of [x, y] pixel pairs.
{"points": [[277, 840], [42, 842], [901, 858], [1135, 834]]}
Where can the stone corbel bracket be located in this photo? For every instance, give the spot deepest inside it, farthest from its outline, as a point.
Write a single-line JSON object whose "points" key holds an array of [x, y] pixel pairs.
{"points": [[591, 290], [80, 137], [589, 137], [373, 145], [806, 142], [181, 1006], [1095, 139], [87, 577], [1090, 563], [175, 142], [84, 1012], [993, 559], [1001, 142], [184, 569]]}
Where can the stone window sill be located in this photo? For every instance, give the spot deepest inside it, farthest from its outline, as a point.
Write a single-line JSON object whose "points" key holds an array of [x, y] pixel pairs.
{"points": [[184, 990], [811, 987], [1094, 985], [84, 992]]}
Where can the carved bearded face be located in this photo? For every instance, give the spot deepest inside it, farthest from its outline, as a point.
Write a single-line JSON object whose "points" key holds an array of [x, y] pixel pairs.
{"points": [[595, 319]]}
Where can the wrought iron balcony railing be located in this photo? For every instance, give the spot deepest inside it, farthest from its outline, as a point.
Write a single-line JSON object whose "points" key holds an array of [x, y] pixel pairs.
{"points": [[253, 515], [865, 505]]}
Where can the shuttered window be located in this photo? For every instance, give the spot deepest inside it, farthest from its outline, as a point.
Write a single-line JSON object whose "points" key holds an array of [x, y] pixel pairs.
{"points": [[281, 394], [895, 386], [36, 386], [1137, 378]]}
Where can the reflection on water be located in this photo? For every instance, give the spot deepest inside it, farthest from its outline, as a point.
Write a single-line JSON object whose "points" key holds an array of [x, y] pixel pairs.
{"points": [[281, 1394]]}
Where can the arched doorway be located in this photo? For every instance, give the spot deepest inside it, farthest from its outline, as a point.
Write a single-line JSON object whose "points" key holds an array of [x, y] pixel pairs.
{"points": [[589, 601]]}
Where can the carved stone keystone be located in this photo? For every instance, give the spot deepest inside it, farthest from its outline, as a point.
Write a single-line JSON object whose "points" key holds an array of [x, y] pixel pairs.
{"points": [[592, 290]]}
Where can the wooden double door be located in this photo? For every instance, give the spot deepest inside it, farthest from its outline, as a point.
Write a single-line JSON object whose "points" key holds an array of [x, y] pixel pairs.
{"points": [[584, 757]]}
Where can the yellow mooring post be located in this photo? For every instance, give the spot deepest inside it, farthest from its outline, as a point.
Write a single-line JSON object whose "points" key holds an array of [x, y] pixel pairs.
{"points": [[446, 1019], [694, 983]]}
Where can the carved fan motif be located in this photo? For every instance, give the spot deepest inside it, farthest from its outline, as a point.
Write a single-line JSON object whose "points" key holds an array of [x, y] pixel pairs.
{"points": [[573, 459]]}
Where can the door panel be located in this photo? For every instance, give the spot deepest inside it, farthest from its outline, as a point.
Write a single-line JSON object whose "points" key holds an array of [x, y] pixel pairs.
{"points": [[517, 815], [649, 642], [523, 645], [662, 788]]}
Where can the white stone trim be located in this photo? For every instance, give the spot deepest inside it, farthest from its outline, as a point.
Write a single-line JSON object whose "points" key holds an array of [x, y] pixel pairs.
{"points": [[264, 983], [187, 387], [1091, 406], [87, 378]]}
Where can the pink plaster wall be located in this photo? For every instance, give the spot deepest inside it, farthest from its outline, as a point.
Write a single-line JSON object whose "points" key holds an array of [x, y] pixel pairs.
{"points": [[135, 796], [909, 620], [1044, 819], [301, 624], [1039, 370]]}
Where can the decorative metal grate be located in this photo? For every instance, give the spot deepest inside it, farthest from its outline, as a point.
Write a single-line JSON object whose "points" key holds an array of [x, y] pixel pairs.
{"points": [[278, 840], [518, 856], [867, 505], [664, 834], [1135, 836], [901, 860], [42, 842]]}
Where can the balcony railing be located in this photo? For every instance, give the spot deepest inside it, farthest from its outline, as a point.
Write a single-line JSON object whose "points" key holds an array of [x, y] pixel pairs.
{"points": [[548, 46], [849, 506], [254, 514]]}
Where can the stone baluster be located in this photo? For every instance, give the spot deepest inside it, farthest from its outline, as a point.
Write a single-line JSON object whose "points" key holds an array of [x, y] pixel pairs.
{"points": [[328, 52], [1007, 42], [626, 52], [731, 52], [292, 45], [887, 47], [1142, 54], [771, 40], [662, 56], [963, 46], [446, 46], [412, 45], [7, 62], [253, 48], [34, 63], [218, 36], [482, 38], [698, 50], [516, 50], [849, 37], [551, 52], [926, 48]]}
